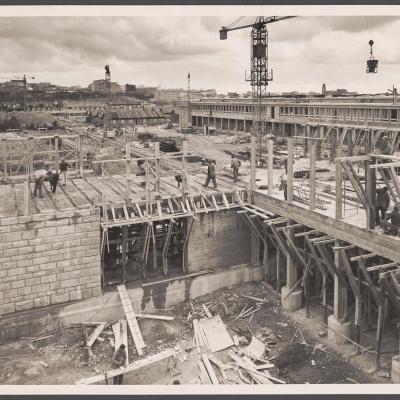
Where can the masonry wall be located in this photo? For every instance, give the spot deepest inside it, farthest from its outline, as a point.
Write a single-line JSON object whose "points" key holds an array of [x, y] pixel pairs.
{"points": [[219, 239], [49, 259]]}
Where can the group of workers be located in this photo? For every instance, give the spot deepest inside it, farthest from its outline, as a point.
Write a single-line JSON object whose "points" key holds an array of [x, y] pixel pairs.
{"points": [[53, 177], [212, 171]]}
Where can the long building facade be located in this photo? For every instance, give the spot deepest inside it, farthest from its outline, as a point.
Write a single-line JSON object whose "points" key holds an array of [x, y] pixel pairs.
{"points": [[346, 121]]}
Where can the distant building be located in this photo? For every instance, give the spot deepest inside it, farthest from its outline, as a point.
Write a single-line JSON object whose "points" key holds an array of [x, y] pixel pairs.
{"points": [[174, 95], [137, 116], [140, 90], [324, 89], [233, 95], [102, 86]]}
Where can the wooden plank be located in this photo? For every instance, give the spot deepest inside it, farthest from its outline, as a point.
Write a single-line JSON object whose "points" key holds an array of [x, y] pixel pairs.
{"points": [[214, 202], [131, 318], [210, 369], [225, 200], [124, 337], [95, 334], [159, 210], [215, 333], [138, 210], [131, 367], [204, 373], [116, 328], [125, 211]]}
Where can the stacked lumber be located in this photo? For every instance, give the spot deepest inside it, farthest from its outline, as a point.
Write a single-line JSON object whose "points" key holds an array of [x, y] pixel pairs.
{"points": [[241, 139], [200, 311], [211, 334]]}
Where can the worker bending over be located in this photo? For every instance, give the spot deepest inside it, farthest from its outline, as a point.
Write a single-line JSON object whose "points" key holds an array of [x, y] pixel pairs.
{"points": [[40, 176]]}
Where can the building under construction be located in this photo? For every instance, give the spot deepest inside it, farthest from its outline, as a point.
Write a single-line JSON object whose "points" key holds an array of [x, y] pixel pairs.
{"points": [[145, 220]]}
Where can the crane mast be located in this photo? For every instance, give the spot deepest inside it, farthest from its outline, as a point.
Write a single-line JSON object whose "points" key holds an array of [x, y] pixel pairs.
{"points": [[259, 75]]}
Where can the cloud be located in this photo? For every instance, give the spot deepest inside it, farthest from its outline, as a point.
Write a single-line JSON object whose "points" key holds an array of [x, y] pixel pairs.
{"points": [[304, 51]]}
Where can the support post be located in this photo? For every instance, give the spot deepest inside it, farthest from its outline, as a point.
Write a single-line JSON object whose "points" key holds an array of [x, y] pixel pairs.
{"points": [[157, 166], [128, 170], [4, 150], [184, 176], [370, 190], [26, 196], [124, 251], [339, 193], [312, 174], [56, 152], [290, 170], [81, 155], [30, 150], [339, 306], [270, 166], [253, 164]]}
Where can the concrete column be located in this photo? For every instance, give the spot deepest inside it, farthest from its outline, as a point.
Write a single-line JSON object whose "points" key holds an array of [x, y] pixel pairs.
{"points": [[236, 124], [244, 125], [270, 166], [312, 174], [291, 299], [336, 328], [229, 124]]}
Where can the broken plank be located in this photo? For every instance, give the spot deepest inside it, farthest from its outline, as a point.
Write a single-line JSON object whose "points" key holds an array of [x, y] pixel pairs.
{"points": [[207, 311], [177, 278], [210, 370], [131, 367], [95, 334]]}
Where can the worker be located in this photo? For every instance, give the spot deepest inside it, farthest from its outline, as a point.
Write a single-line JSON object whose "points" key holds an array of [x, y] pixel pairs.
{"points": [[393, 226], [63, 170], [119, 361], [235, 164], [283, 186], [89, 159], [382, 203], [385, 146], [40, 176], [178, 178], [211, 174], [53, 178]]}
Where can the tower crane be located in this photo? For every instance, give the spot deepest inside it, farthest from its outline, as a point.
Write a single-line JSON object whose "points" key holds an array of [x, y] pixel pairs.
{"points": [[259, 75], [23, 79]]}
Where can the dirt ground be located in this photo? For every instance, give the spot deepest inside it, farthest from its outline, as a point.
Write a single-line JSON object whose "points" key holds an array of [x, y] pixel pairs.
{"points": [[61, 358]]}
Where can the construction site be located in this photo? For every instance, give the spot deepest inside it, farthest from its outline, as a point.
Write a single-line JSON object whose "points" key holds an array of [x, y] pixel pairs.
{"points": [[247, 245]]}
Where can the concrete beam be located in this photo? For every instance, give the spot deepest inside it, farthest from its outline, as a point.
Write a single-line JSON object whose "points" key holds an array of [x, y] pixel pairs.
{"points": [[369, 240]]}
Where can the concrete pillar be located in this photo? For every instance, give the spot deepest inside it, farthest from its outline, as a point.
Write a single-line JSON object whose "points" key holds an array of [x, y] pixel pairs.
{"points": [[236, 124], [292, 300], [335, 327], [244, 125]]}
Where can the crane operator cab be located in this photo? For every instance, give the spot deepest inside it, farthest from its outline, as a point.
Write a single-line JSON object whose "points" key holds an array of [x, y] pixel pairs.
{"points": [[372, 64]]}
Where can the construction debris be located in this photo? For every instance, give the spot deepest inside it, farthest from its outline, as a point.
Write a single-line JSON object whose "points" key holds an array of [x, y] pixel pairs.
{"points": [[131, 367]]}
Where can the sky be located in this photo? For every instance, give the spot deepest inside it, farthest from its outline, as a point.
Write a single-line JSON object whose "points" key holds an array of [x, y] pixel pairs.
{"points": [[304, 52]]}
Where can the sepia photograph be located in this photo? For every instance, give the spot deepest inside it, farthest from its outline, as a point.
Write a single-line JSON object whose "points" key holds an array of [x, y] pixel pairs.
{"points": [[202, 196]]}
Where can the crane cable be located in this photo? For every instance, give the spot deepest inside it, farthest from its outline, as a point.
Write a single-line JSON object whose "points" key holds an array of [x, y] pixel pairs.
{"points": [[234, 22]]}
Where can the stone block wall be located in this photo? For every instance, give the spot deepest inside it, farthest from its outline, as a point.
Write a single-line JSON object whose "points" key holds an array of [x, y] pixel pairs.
{"points": [[219, 239], [48, 259]]}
